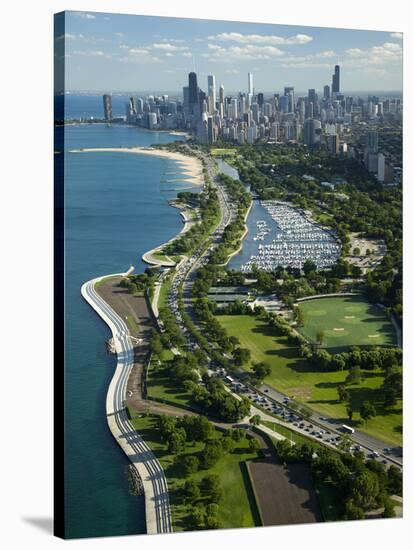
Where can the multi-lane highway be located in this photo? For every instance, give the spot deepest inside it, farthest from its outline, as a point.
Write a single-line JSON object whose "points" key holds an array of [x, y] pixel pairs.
{"points": [[157, 507]]}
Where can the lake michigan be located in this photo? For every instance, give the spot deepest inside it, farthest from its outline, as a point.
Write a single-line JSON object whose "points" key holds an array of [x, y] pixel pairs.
{"points": [[116, 209]]}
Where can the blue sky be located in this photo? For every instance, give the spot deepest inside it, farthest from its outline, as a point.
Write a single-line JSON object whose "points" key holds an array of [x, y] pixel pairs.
{"points": [[113, 52]]}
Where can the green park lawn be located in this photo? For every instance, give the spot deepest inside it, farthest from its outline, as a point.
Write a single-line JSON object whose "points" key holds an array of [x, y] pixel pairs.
{"points": [[346, 321], [162, 388], [163, 293], [223, 152], [294, 376], [238, 506]]}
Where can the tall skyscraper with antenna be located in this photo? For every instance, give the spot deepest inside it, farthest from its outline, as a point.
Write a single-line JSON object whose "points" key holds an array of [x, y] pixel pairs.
{"points": [[335, 88], [192, 89], [250, 84]]}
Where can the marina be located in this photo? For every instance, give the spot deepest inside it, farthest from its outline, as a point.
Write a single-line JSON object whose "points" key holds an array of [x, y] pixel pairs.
{"points": [[284, 236]]}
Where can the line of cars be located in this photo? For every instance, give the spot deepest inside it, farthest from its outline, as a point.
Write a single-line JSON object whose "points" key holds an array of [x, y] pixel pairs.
{"points": [[297, 422]]}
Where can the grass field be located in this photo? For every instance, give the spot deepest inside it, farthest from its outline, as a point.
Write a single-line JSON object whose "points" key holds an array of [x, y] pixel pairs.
{"points": [[294, 376], [237, 507], [161, 388], [223, 152], [346, 321], [163, 293]]}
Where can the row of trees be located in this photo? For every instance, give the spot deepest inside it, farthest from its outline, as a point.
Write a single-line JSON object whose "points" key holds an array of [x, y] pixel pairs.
{"points": [[367, 359], [209, 214]]}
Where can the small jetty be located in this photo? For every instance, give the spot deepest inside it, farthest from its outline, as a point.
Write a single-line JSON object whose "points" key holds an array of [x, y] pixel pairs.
{"points": [[110, 346]]}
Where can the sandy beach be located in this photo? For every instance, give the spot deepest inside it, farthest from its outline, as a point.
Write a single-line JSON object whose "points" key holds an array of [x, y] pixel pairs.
{"points": [[191, 166]]}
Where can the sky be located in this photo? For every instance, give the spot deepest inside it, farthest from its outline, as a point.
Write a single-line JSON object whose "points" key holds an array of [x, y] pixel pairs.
{"points": [[113, 52]]}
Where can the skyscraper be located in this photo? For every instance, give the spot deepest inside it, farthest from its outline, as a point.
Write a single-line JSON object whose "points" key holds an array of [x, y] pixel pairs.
{"points": [[312, 131], [312, 96], [289, 93], [107, 107], [193, 89], [335, 88], [326, 92], [211, 92], [221, 93], [250, 84], [372, 141]]}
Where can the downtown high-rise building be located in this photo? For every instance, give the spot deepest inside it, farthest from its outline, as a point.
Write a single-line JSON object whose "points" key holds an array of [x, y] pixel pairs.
{"points": [[250, 84], [107, 107], [372, 141], [290, 102], [192, 89], [335, 88], [211, 93]]}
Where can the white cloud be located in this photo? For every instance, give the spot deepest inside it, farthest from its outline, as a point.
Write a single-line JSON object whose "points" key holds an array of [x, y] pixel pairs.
{"points": [[169, 54], [241, 53], [261, 38], [305, 65], [232, 71], [141, 59], [398, 35], [186, 54], [327, 53], [168, 47], [312, 60], [173, 40], [140, 55], [119, 34], [84, 15], [138, 51], [354, 52], [389, 52], [91, 53]]}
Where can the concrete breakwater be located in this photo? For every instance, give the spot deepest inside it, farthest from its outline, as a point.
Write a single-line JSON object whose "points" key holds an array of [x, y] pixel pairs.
{"points": [[148, 468]]}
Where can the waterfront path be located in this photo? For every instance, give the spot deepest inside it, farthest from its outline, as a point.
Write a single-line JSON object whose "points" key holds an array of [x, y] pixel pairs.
{"points": [[157, 506]]}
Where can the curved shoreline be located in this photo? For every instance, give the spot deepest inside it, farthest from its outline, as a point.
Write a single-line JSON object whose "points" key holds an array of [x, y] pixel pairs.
{"points": [[148, 257], [157, 508], [190, 165], [192, 172], [241, 244]]}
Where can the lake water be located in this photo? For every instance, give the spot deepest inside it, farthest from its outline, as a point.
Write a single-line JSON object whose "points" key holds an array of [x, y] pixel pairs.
{"points": [[116, 209]]}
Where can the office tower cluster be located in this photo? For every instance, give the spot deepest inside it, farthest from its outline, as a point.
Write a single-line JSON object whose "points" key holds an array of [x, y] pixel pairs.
{"points": [[327, 119], [251, 115]]}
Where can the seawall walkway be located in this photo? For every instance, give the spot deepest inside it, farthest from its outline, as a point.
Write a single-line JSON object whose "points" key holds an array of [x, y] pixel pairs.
{"points": [[157, 506]]}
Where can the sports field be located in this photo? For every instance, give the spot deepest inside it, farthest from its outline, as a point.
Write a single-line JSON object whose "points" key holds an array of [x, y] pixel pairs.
{"points": [[294, 376], [346, 321]]}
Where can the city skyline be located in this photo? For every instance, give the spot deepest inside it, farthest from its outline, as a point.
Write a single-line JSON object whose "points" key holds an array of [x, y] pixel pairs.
{"points": [[112, 51]]}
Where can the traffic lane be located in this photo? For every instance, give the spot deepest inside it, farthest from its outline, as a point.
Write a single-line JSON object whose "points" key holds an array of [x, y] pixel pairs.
{"points": [[370, 443], [296, 423]]}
